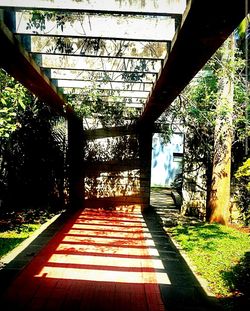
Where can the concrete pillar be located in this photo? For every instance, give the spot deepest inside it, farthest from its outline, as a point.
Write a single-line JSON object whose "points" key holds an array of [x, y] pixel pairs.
{"points": [[75, 161], [145, 150]]}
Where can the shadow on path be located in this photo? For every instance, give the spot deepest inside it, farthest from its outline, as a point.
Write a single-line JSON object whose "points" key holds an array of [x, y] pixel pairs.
{"points": [[103, 260]]}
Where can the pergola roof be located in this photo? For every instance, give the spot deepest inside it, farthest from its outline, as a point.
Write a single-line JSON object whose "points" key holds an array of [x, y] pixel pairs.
{"points": [[142, 52]]}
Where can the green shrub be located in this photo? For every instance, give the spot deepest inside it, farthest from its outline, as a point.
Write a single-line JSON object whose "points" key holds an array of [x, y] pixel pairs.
{"points": [[243, 190]]}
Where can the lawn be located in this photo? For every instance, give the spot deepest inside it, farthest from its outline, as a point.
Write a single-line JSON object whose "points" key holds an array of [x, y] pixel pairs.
{"points": [[221, 255], [16, 226], [11, 238]]}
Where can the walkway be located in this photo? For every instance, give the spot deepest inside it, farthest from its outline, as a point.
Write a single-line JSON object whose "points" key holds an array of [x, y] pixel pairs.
{"points": [[106, 260]]}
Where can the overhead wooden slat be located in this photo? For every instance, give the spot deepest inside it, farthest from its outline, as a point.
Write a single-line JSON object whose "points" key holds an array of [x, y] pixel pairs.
{"points": [[88, 63], [137, 106], [161, 7], [98, 57], [102, 48], [109, 132], [76, 79], [136, 28], [82, 69], [205, 26], [117, 99], [124, 100], [134, 106], [116, 86], [102, 75], [18, 63], [104, 92]]}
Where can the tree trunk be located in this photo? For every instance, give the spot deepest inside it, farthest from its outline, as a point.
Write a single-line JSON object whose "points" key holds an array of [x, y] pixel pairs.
{"points": [[219, 201]]}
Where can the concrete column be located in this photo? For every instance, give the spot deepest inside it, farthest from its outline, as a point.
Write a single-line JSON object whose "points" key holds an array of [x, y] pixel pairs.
{"points": [[75, 161], [145, 150]]}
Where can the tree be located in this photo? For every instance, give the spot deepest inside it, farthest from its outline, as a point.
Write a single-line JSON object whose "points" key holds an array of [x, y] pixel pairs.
{"points": [[219, 201], [211, 123], [31, 149]]}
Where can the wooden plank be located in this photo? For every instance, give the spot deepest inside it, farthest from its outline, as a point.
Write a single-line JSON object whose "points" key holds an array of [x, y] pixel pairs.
{"points": [[18, 63], [108, 93], [107, 64], [104, 48], [134, 28], [57, 73], [205, 26], [82, 69], [97, 57], [161, 7], [114, 86], [128, 102], [53, 76], [109, 132]]}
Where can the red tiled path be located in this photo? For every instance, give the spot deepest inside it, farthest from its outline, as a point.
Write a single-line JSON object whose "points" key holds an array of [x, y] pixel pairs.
{"points": [[100, 260]]}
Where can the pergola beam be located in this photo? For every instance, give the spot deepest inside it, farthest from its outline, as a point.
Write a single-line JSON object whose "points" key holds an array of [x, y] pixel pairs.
{"points": [[96, 37], [134, 28], [122, 98], [100, 81], [205, 26], [100, 76], [114, 48], [98, 70], [107, 92], [162, 7], [122, 57], [85, 63], [109, 132], [113, 86], [19, 64]]}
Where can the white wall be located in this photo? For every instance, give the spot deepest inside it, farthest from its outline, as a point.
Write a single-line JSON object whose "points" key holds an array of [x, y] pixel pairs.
{"points": [[164, 165]]}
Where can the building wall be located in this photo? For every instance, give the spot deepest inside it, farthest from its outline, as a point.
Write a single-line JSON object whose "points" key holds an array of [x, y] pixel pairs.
{"points": [[166, 159]]}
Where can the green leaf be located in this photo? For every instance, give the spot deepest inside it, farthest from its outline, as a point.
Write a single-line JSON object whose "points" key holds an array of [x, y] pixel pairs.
{"points": [[3, 101], [21, 103]]}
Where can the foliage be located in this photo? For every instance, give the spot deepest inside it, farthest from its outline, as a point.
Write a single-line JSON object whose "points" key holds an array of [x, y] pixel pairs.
{"points": [[89, 104], [218, 254], [11, 239], [196, 111], [13, 98], [35, 159], [177, 183], [243, 173], [123, 147], [32, 150], [111, 152], [138, 73], [243, 190]]}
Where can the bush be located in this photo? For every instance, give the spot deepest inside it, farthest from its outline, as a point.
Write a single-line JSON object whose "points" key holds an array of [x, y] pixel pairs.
{"points": [[243, 190]]}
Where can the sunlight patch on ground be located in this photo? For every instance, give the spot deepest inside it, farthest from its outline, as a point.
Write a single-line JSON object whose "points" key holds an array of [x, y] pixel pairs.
{"points": [[106, 246]]}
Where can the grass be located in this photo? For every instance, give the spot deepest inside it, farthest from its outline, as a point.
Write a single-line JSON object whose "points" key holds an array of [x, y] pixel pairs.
{"points": [[12, 238], [220, 254], [16, 226]]}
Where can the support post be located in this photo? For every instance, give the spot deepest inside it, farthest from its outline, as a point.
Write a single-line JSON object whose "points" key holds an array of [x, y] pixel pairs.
{"points": [[75, 161], [145, 149]]}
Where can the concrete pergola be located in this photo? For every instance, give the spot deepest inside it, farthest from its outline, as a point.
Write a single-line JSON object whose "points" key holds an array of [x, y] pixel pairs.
{"points": [[187, 33]]}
